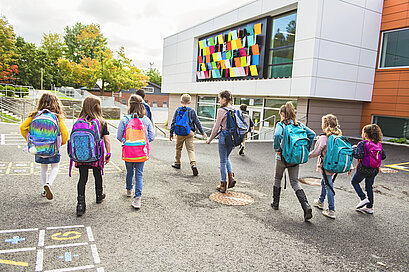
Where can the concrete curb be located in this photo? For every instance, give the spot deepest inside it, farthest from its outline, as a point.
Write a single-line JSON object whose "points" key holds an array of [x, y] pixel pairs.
{"points": [[383, 142]]}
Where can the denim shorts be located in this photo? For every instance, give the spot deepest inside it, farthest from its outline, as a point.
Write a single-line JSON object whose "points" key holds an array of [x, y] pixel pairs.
{"points": [[48, 160]]}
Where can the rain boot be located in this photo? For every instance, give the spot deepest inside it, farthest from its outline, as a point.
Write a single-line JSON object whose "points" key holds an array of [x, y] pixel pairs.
{"points": [[304, 204], [232, 181], [276, 197], [100, 195], [222, 187], [81, 205]]}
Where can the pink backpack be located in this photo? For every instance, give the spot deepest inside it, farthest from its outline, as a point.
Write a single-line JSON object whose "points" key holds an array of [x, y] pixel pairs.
{"points": [[372, 154], [135, 142]]}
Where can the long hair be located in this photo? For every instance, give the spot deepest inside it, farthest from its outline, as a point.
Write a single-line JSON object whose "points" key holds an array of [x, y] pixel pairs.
{"points": [[226, 94], [374, 132], [135, 105], [50, 102], [330, 122], [91, 109], [289, 112]]}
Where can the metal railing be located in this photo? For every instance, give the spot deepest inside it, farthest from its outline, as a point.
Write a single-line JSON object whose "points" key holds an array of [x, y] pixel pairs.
{"points": [[266, 130], [8, 104]]}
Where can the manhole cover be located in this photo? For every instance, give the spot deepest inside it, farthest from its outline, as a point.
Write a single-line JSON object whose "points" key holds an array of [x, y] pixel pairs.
{"points": [[310, 181], [232, 198], [388, 170]]}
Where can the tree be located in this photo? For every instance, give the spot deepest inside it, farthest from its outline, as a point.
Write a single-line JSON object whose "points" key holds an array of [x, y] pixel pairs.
{"points": [[53, 45], [8, 67], [154, 75]]}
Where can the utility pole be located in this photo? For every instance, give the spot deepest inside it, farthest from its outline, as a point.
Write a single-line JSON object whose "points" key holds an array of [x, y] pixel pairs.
{"points": [[41, 78]]}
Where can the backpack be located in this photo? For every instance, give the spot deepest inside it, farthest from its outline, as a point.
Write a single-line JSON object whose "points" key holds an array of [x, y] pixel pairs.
{"points": [[44, 138], [135, 144], [86, 144], [372, 155], [148, 111], [296, 145], [182, 127], [339, 155], [235, 128]]}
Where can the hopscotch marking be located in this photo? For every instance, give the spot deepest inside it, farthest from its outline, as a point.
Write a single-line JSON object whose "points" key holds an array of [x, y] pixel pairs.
{"points": [[72, 268], [17, 250], [41, 238], [65, 227], [40, 260], [90, 235], [13, 262], [22, 230], [67, 245], [95, 254], [14, 240]]}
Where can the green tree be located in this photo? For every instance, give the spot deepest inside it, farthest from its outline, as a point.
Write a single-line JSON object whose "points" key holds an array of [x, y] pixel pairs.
{"points": [[53, 45], [8, 68], [154, 75]]}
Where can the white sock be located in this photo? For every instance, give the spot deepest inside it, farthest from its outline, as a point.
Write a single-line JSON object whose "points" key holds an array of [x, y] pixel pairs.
{"points": [[53, 172], [43, 173]]}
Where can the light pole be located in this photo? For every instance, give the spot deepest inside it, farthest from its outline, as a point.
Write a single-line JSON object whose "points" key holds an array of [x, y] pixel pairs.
{"points": [[41, 78]]}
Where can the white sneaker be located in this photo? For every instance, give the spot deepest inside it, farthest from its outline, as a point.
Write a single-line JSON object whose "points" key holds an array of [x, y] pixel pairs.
{"points": [[128, 193], [366, 210], [318, 204], [362, 203], [43, 193], [48, 192], [136, 203], [329, 213]]}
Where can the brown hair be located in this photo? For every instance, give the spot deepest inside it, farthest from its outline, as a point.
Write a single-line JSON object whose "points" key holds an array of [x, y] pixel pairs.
{"points": [[289, 112], [374, 132], [141, 93], [226, 94], [50, 102], [331, 125], [91, 109], [185, 98], [135, 105], [243, 107]]}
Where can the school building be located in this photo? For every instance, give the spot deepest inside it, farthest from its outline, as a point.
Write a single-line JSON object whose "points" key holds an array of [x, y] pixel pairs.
{"points": [[345, 57]]}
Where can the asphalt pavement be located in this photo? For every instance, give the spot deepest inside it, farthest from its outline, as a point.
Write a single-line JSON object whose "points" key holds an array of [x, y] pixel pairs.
{"points": [[179, 228]]}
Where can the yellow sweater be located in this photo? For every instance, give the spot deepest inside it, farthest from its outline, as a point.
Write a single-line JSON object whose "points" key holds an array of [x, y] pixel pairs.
{"points": [[25, 127]]}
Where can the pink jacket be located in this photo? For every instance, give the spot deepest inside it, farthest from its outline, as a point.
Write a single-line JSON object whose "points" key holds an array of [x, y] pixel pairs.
{"points": [[320, 150]]}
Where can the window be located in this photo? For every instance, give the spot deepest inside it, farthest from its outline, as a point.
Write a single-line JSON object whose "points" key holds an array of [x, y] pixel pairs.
{"points": [[148, 89], [393, 126], [395, 49], [281, 53], [155, 104], [206, 111], [165, 104]]}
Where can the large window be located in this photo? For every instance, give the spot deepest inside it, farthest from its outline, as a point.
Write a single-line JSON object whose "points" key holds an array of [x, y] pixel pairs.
{"points": [[393, 126], [395, 49], [206, 111], [281, 53]]}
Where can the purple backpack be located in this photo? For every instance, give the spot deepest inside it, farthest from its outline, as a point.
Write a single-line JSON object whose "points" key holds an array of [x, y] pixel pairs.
{"points": [[372, 154], [86, 144]]}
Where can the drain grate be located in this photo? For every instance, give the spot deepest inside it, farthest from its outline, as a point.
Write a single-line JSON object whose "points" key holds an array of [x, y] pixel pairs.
{"points": [[310, 181], [232, 198]]}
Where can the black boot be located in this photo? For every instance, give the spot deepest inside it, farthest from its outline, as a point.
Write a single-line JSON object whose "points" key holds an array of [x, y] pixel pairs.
{"points": [[81, 205], [100, 195], [304, 204], [276, 197]]}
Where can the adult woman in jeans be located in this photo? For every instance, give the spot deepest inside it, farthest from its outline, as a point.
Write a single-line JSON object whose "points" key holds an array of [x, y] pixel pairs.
{"points": [[225, 100]]}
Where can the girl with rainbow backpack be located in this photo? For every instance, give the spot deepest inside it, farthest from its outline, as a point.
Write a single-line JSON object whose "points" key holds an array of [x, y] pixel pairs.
{"points": [[135, 131], [45, 132]]}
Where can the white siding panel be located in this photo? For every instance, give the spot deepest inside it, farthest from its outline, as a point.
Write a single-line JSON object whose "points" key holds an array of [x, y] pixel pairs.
{"points": [[367, 58], [309, 18], [170, 40], [364, 92], [274, 87], [338, 52], [269, 5], [360, 3], [330, 88], [185, 51], [306, 49], [245, 87], [226, 19], [336, 70], [185, 35], [169, 55], [375, 5], [303, 86], [250, 10], [366, 75], [203, 28], [305, 67], [371, 30]]}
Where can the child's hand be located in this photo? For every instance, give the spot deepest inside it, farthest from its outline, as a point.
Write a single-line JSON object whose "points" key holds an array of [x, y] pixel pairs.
{"points": [[170, 138], [205, 136], [107, 158], [207, 142]]}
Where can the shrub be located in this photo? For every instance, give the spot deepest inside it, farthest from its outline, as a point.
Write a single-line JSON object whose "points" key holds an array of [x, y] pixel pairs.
{"points": [[399, 141], [21, 92], [1, 87], [9, 91]]}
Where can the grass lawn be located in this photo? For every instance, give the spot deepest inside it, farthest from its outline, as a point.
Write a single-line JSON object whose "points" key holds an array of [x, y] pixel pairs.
{"points": [[10, 119]]}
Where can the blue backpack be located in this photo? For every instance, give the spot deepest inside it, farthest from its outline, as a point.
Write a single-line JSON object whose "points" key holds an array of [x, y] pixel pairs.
{"points": [[235, 128], [296, 145], [148, 111], [182, 127], [339, 155]]}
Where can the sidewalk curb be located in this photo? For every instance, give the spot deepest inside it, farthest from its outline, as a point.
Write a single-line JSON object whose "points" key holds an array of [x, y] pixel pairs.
{"points": [[383, 142]]}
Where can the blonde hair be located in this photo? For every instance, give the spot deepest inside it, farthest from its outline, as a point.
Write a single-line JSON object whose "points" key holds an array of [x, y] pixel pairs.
{"points": [[91, 109], [330, 122], [374, 132], [185, 98], [50, 102], [289, 112], [135, 105]]}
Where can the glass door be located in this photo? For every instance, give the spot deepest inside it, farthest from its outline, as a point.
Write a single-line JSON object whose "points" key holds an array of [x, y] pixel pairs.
{"points": [[256, 117]]}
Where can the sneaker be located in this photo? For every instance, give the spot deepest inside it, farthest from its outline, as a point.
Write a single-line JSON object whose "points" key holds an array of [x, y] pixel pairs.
{"points": [[177, 166], [362, 203], [136, 203], [128, 193], [329, 213], [241, 151], [318, 204], [43, 193], [48, 192], [195, 171], [366, 210]]}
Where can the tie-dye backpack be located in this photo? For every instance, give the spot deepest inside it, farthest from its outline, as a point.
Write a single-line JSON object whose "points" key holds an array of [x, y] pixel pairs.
{"points": [[135, 144], [44, 138]]}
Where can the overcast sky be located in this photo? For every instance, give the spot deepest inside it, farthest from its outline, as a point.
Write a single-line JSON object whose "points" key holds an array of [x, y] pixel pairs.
{"points": [[139, 25]]}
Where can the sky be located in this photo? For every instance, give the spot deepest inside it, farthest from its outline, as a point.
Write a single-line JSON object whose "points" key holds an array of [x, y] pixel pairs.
{"points": [[139, 25]]}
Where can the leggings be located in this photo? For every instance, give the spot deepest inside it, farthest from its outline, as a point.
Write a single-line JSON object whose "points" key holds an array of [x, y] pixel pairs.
{"points": [[53, 173], [292, 172], [84, 178]]}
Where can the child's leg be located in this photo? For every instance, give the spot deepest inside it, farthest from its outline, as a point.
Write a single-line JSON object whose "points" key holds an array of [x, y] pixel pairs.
{"points": [[228, 163], [83, 180], [179, 146], [223, 161], [98, 179], [369, 181], [138, 178], [280, 168], [355, 183], [53, 173], [129, 175], [293, 173], [323, 191], [330, 194], [190, 148], [43, 173]]}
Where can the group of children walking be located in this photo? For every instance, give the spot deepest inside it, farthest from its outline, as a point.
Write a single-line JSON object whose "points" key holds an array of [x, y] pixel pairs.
{"points": [[89, 148]]}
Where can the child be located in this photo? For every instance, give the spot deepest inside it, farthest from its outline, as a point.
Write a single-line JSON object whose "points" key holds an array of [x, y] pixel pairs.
{"points": [[329, 127], [50, 102], [185, 128], [92, 110], [136, 109], [287, 113], [370, 153], [249, 122], [141, 93], [225, 100]]}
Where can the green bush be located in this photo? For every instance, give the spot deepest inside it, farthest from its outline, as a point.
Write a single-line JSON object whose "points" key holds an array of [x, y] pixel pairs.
{"points": [[399, 141], [1, 87], [10, 91], [21, 93]]}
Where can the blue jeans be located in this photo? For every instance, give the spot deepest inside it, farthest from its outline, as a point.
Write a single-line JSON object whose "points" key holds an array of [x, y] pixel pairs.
{"points": [[224, 153], [369, 181], [138, 166], [326, 191]]}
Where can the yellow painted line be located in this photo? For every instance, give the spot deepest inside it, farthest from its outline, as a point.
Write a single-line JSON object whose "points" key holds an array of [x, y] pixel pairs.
{"points": [[32, 168], [9, 168], [397, 166], [13, 262], [116, 166]]}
